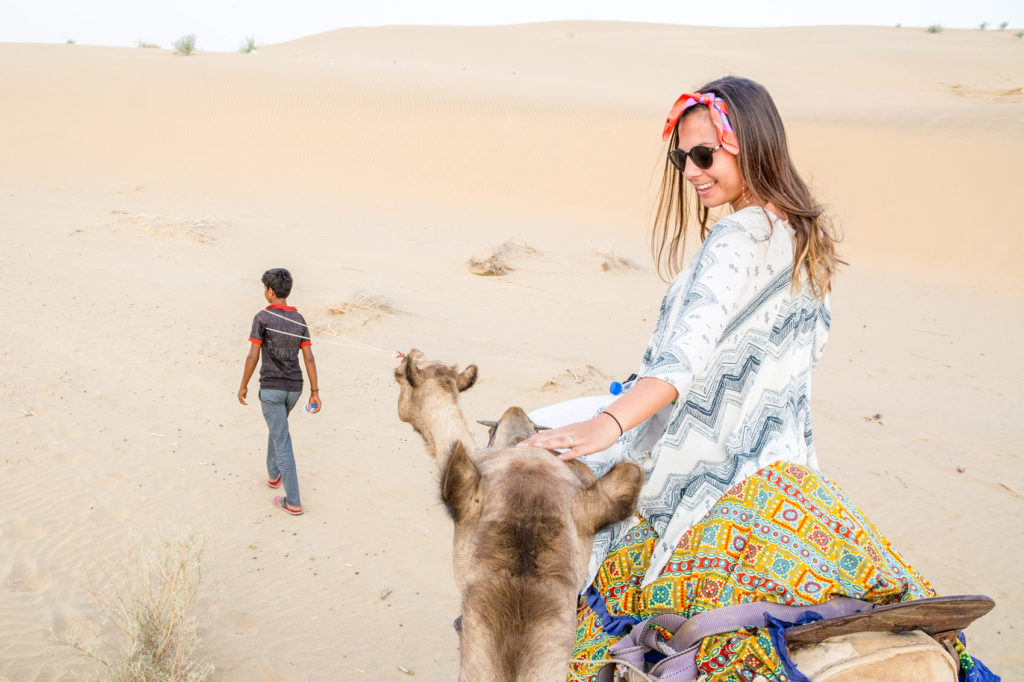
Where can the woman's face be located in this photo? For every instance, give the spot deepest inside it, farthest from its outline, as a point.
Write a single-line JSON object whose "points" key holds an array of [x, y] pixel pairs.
{"points": [[720, 184]]}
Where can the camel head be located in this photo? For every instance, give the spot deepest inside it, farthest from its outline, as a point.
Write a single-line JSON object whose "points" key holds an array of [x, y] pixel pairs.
{"points": [[524, 526], [429, 400]]}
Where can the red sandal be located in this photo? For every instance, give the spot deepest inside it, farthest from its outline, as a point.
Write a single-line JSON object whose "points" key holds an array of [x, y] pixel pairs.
{"points": [[282, 504]]}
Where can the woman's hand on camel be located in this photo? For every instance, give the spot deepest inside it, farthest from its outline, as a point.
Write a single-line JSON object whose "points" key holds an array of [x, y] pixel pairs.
{"points": [[579, 439]]}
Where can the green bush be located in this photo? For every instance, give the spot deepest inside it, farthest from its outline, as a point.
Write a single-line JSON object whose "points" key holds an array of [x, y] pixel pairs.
{"points": [[249, 46], [934, 28], [185, 45]]}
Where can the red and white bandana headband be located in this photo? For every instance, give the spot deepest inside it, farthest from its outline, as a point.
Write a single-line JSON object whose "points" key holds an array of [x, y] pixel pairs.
{"points": [[717, 108]]}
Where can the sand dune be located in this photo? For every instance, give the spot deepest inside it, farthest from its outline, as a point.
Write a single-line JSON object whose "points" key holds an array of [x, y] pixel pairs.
{"points": [[144, 194]]}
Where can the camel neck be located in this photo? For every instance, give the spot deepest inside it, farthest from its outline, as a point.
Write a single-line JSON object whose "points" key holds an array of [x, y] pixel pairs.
{"points": [[447, 428]]}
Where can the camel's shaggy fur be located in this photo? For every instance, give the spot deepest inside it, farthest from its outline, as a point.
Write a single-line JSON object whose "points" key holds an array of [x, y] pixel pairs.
{"points": [[524, 525]]}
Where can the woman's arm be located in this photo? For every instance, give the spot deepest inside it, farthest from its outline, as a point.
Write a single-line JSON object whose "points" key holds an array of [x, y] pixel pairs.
{"points": [[727, 261], [646, 397]]}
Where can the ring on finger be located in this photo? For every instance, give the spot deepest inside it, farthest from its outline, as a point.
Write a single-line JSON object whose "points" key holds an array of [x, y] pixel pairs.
{"points": [[570, 442]]}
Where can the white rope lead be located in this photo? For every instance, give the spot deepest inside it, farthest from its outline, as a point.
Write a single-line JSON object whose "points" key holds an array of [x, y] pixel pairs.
{"points": [[357, 345], [351, 343]]}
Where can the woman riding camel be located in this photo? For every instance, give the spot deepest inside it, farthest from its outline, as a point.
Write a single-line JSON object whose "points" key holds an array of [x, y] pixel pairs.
{"points": [[733, 507]]}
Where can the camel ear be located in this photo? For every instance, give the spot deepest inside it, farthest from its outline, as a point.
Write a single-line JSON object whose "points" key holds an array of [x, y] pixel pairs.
{"points": [[400, 372], [459, 482], [583, 472], [610, 500], [413, 373], [467, 378]]}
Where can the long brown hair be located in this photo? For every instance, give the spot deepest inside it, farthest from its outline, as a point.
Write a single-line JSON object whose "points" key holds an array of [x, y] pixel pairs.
{"points": [[770, 176]]}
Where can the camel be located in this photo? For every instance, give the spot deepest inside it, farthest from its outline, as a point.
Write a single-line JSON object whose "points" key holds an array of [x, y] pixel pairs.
{"points": [[524, 526]]}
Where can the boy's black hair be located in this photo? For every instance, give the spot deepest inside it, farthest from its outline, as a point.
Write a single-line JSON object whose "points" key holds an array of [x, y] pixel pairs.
{"points": [[278, 279]]}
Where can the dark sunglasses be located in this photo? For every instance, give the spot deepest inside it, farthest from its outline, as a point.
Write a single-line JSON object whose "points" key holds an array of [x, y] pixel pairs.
{"points": [[702, 157]]}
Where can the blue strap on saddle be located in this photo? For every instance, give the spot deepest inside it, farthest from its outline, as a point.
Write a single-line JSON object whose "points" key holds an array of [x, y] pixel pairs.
{"points": [[613, 625]]}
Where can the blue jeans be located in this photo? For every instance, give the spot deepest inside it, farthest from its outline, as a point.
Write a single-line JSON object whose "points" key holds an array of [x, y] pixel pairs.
{"points": [[277, 405]]}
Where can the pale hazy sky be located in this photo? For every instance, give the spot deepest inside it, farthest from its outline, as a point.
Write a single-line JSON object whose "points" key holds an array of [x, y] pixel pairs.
{"points": [[224, 24]]}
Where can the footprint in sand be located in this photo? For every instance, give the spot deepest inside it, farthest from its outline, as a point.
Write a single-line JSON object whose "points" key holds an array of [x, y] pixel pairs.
{"points": [[23, 529], [27, 576], [108, 506], [241, 623], [63, 618], [109, 482]]}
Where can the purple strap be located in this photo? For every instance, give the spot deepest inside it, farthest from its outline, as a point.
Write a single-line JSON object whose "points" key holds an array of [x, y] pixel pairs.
{"points": [[681, 666], [752, 614]]}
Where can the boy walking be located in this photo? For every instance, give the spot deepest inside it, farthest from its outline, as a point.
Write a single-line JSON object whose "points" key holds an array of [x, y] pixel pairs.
{"points": [[280, 332]]}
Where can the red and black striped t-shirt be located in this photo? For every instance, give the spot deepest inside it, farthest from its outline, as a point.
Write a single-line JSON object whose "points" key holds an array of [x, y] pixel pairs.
{"points": [[281, 331]]}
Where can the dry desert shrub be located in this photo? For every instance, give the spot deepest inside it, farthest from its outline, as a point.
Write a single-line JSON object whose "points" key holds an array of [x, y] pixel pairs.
{"points": [[152, 607], [146, 43], [249, 46], [196, 229], [185, 45], [498, 261], [613, 260], [363, 306], [590, 377], [367, 301]]}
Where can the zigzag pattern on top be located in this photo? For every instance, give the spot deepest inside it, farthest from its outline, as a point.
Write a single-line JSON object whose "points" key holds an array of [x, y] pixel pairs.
{"points": [[747, 443], [725, 380], [685, 490]]}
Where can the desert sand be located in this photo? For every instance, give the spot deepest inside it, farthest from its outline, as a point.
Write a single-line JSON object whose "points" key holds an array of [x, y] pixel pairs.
{"points": [[143, 193]]}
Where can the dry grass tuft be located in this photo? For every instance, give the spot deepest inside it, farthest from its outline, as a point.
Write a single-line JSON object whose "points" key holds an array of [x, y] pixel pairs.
{"points": [[196, 229], [498, 261], [588, 376], [364, 305], [613, 260], [153, 608], [365, 301]]}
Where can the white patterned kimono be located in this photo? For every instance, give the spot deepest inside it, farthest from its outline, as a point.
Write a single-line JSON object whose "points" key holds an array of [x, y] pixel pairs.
{"points": [[738, 344]]}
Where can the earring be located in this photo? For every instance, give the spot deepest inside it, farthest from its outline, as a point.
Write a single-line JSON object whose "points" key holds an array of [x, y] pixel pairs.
{"points": [[743, 193]]}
